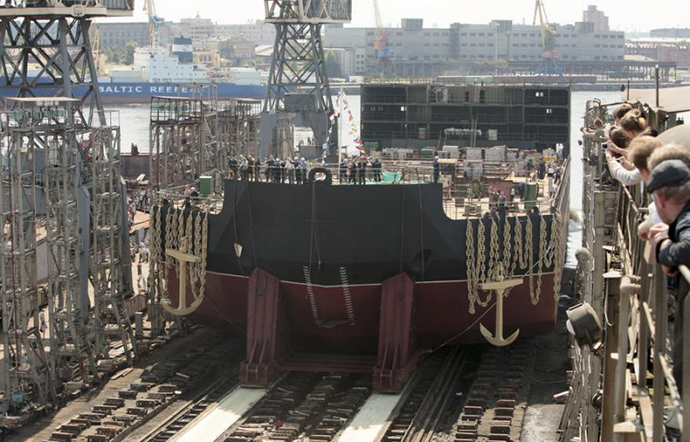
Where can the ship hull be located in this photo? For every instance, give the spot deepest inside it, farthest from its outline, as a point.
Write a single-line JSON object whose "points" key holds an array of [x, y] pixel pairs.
{"points": [[332, 248], [132, 93], [442, 312]]}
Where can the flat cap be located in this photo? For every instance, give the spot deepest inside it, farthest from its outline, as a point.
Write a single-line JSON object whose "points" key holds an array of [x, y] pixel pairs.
{"points": [[668, 173]]}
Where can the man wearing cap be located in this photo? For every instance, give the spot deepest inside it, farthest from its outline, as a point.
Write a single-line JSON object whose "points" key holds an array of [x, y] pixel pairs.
{"points": [[669, 182]]}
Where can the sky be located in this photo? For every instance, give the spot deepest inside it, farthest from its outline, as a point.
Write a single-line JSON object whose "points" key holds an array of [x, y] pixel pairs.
{"points": [[624, 15]]}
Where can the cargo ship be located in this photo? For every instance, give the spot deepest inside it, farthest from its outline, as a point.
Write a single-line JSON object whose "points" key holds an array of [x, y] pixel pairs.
{"points": [[140, 92], [331, 276]]}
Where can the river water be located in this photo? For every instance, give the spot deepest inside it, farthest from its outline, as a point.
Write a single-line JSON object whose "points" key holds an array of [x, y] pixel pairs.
{"points": [[134, 122]]}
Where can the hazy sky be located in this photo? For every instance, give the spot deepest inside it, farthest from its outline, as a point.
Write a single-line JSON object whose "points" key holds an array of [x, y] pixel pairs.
{"points": [[624, 15]]}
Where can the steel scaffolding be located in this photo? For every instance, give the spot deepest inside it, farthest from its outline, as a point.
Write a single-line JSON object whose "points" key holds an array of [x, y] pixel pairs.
{"points": [[67, 214], [27, 372], [185, 141], [109, 229], [238, 126]]}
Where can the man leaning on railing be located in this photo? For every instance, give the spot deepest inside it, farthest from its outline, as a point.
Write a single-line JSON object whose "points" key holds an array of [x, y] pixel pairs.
{"points": [[669, 182]]}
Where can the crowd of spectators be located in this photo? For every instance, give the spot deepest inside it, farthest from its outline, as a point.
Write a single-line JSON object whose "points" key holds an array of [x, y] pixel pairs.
{"points": [[635, 157]]}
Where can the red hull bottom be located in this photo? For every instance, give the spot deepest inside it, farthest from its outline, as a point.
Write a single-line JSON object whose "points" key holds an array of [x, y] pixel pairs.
{"points": [[441, 316]]}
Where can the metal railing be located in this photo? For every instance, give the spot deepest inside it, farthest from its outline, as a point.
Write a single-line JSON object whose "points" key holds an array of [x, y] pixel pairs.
{"points": [[643, 319]]}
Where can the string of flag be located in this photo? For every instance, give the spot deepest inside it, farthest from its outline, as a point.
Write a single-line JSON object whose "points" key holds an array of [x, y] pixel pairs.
{"points": [[353, 130]]}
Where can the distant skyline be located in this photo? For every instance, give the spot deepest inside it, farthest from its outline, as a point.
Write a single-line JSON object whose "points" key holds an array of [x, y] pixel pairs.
{"points": [[623, 15]]}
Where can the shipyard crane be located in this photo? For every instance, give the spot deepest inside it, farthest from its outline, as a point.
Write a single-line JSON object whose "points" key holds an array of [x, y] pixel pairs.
{"points": [[154, 22], [549, 55], [384, 54]]}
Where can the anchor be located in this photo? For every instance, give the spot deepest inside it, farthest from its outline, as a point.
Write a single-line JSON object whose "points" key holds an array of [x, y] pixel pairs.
{"points": [[184, 258], [500, 288]]}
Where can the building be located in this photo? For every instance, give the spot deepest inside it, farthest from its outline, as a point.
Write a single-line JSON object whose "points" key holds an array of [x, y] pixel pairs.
{"points": [[236, 49], [200, 30], [597, 18], [683, 33], [119, 34], [658, 49], [499, 46], [259, 33], [416, 51]]}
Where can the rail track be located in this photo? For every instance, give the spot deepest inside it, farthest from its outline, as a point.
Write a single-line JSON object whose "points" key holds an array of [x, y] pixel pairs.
{"points": [[433, 389], [196, 406], [464, 394], [140, 402], [495, 406], [303, 405]]}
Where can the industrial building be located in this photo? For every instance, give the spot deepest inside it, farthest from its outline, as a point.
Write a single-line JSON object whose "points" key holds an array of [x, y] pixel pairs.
{"points": [[586, 46]]}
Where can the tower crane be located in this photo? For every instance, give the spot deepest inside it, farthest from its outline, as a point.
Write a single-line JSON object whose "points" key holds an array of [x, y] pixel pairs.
{"points": [[384, 53], [549, 55], [154, 22]]}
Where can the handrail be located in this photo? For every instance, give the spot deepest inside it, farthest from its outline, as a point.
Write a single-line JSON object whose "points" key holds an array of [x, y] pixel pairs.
{"points": [[645, 316]]}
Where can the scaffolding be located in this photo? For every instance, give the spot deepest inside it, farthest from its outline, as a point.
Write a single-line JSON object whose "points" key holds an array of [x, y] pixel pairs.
{"points": [[67, 213], [239, 126], [62, 164], [108, 271], [185, 141], [28, 377]]}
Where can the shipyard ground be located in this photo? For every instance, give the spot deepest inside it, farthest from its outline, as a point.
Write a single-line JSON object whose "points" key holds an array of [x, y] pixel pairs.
{"points": [[542, 414]]}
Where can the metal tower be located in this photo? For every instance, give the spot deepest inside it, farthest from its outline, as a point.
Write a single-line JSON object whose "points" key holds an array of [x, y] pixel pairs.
{"points": [[27, 374], [63, 166], [67, 213], [47, 50], [298, 82], [110, 234]]}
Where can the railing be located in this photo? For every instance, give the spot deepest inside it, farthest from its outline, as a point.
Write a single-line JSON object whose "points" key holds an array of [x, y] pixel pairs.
{"points": [[643, 311], [457, 198]]}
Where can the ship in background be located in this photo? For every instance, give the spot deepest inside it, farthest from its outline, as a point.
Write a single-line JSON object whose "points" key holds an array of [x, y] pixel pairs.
{"points": [[160, 71]]}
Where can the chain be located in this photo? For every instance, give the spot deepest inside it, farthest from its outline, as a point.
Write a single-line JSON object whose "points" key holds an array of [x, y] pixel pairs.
{"points": [[195, 249], [529, 251], [518, 258], [495, 270], [542, 256], [477, 273], [507, 249], [471, 266], [203, 253], [154, 252], [481, 251], [560, 255]]}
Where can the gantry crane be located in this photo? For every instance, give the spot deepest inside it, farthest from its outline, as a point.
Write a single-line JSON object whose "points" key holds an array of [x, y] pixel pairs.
{"points": [[154, 22], [384, 53], [549, 55]]}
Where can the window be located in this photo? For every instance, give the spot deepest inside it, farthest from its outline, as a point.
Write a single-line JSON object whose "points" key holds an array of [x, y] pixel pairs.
{"points": [[539, 94], [473, 34], [481, 34], [549, 111]]}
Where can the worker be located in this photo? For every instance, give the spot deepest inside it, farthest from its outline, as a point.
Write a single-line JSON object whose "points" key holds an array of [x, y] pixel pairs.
{"points": [[376, 167], [362, 170]]}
